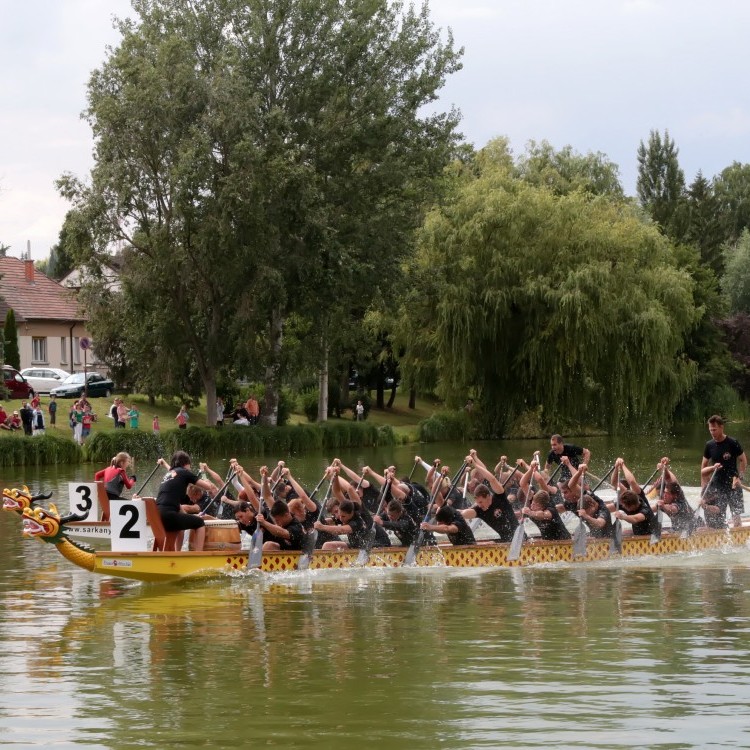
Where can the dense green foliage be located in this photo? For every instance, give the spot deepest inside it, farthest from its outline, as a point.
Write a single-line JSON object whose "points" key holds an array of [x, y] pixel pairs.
{"points": [[10, 332], [258, 158], [569, 301], [40, 449], [445, 425], [203, 442]]}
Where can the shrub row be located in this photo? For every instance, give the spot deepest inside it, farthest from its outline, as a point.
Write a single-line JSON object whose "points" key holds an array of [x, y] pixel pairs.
{"points": [[445, 425], [41, 449], [202, 442]]}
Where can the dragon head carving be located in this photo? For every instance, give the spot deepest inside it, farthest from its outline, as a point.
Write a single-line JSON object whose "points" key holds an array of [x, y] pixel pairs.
{"points": [[18, 500], [45, 524]]}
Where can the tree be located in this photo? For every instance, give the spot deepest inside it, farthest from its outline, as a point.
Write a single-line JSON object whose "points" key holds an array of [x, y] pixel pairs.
{"points": [[73, 246], [704, 228], [661, 183], [12, 353], [732, 190], [566, 170], [735, 283], [263, 158], [566, 302]]}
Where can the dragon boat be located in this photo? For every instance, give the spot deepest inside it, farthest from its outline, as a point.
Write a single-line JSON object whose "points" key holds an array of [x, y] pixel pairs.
{"points": [[161, 566]]}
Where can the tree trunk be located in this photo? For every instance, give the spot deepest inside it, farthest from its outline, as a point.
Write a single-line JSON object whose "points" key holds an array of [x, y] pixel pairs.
{"points": [[412, 398], [323, 384], [270, 414], [380, 398], [209, 383], [393, 395]]}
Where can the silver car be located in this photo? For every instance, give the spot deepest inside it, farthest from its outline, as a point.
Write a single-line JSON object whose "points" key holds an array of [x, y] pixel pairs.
{"points": [[44, 379]]}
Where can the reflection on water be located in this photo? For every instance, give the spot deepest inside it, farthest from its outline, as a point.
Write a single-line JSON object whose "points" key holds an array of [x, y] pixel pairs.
{"points": [[640, 653], [652, 653]]}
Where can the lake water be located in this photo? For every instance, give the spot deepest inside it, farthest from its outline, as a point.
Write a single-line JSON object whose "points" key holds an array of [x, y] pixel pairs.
{"points": [[651, 653]]}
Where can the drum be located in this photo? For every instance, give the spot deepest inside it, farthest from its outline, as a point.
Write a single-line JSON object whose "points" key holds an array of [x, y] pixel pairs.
{"points": [[222, 535]]}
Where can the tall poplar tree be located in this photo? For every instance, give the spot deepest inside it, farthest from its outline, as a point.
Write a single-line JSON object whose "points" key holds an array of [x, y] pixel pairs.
{"points": [[661, 183], [10, 332]]}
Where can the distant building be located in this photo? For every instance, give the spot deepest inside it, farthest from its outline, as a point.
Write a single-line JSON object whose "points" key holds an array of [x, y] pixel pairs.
{"points": [[50, 323]]}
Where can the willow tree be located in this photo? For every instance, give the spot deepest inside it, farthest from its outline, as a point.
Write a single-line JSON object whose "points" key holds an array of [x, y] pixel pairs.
{"points": [[568, 302]]}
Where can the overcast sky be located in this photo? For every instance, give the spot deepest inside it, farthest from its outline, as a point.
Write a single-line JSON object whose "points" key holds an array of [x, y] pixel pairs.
{"points": [[595, 74]]}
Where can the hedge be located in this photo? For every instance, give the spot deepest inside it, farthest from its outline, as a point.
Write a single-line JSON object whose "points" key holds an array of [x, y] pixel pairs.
{"points": [[40, 449]]}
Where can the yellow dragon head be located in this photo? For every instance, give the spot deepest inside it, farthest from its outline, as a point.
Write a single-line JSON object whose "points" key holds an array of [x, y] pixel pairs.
{"points": [[17, 500], [42, 523]]}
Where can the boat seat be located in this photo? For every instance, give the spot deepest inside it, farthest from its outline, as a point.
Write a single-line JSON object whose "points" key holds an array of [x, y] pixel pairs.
{"points": [[103, 498], [164, 541]]}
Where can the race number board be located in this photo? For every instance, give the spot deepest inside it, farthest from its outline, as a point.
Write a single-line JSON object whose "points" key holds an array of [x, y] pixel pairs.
{"points": [[84, 500], [130, 532]]}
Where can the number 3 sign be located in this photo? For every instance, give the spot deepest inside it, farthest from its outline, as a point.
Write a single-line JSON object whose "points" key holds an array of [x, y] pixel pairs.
{"points": [[83, 498]]}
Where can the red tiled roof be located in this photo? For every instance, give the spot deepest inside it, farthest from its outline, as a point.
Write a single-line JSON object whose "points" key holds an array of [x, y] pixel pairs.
{"points": [[41, 299]]}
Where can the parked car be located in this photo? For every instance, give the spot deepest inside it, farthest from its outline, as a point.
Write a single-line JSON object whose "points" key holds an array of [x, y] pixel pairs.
{"points": [[44, 379], [72, 386], [15, 383]]}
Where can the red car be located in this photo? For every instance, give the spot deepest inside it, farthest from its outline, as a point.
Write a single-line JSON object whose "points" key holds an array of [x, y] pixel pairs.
{"points": [[16, 384]]}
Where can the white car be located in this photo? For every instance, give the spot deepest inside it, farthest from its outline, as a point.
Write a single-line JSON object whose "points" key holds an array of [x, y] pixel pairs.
{"points": [[44, 379]]}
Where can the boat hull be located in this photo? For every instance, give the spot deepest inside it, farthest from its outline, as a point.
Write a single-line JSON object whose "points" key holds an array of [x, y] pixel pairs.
{"points": [[168, 566]]}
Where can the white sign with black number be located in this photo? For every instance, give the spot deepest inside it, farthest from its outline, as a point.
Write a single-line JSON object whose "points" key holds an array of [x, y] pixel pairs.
{"points": [[84, 500], [130, 532]]}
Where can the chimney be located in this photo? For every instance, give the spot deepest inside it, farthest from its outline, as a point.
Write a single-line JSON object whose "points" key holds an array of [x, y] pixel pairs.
{"points": [[29, 270]]}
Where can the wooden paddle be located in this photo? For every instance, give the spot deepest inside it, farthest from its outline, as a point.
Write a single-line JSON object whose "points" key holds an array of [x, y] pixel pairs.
{"points": [[148, 479], [656, 533], [615, 542], [311, 539], [413, 551], [580, 535], [364, 553], [514, 552], [701, 510], [218, 495]]}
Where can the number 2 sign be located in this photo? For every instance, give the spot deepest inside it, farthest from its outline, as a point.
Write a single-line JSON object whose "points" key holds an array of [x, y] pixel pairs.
{"points": [[129, 527]]}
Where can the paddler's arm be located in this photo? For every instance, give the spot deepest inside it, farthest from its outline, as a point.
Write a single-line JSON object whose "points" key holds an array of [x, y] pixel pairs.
{"points": [[336, 529], [276, 530], [481, 471], [244, 478], [297, 487], [632, 481]]}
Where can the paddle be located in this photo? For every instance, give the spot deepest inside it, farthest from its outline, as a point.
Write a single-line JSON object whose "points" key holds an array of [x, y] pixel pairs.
{"points": [[369, 543], [580, 536], [602, 481], [701, 511], [311, 539], [615, 542], [656, 533], [518, 535], [413, 551], [148, 479], [219, 494], [413, 469]]}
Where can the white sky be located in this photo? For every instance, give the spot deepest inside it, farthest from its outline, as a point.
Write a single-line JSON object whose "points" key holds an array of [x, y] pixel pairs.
{"points": [[596, 74]]}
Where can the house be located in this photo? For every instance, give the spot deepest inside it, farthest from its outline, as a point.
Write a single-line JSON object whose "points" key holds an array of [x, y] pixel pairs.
{"points": [[50, 324]]}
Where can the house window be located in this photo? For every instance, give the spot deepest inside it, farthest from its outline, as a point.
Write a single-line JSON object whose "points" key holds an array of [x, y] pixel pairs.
{"points": [[76, 350], [39, 349], [63, 350]]}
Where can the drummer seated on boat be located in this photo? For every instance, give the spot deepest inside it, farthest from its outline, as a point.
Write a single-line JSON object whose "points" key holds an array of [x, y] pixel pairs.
{"points": [[172, 492], [350, 523], [286, 533]]}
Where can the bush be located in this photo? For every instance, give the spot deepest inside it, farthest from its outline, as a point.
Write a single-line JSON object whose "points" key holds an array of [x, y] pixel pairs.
{"points": [[42, 449], [202, 442], [445, 425]]}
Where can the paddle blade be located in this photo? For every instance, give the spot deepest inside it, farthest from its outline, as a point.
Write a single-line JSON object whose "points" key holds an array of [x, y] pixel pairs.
{"points": [[413, 551], [308, 547], [580, 537], [516, 543], [256, 549], [615, 543], [364, 553], [656, 534]]}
